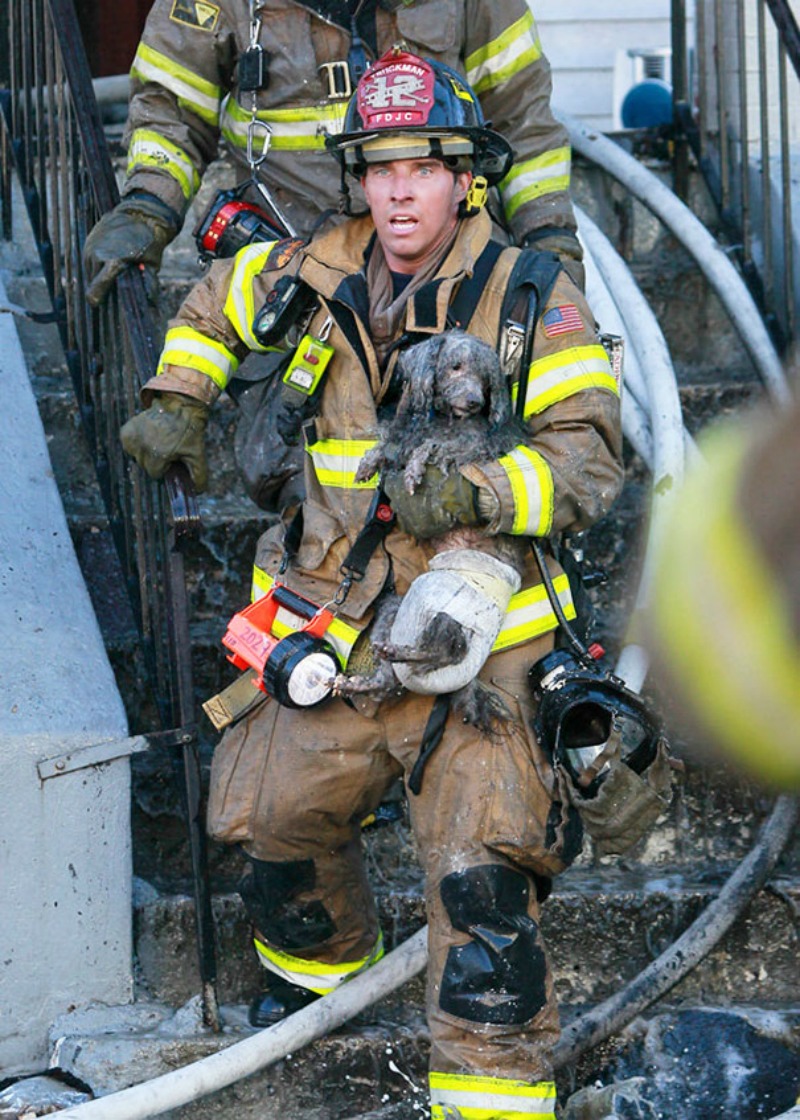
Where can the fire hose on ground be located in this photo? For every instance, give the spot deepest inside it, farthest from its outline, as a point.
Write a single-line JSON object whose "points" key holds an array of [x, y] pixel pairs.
{"points": [[654, 421], [182, 1086]]}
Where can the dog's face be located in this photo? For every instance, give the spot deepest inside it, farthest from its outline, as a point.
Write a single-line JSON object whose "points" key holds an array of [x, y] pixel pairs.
{"points": [[455, 375], [460, 385]]}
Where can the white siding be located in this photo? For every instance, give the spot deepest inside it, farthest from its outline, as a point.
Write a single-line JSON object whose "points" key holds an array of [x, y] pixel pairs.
{"points": [[588, 44]]}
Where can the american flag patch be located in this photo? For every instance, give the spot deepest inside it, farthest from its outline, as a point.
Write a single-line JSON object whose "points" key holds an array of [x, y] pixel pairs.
{"points": [[562, 320]]}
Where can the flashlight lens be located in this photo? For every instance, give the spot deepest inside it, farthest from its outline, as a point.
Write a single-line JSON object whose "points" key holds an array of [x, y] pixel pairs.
{"points": [[311, 679]]}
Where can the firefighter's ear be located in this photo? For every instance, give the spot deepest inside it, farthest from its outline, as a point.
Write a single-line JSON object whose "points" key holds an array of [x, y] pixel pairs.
{"points": [[462, 185]]}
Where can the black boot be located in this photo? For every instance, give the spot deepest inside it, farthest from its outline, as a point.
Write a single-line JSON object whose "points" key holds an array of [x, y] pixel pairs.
{"points": [[279, 999]]}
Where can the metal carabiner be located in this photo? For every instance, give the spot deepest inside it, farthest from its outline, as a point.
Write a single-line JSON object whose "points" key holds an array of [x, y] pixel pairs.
{"points": [[254, 126], [255, 21]]}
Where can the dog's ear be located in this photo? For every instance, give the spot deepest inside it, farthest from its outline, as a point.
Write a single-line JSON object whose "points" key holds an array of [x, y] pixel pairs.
{"points": [[418, 370], [499, 391]]}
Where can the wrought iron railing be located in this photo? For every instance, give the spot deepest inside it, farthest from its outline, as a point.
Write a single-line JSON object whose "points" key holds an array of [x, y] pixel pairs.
{"points": [[53, 139], [738, 105]]}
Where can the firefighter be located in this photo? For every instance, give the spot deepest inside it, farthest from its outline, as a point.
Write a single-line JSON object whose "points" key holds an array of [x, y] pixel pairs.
{"points": [[191, 87], [728, 660], [291, 784], [281, 74]]}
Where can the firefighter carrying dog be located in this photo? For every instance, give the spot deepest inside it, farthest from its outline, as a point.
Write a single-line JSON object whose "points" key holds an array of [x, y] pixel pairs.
{"points": [[293, 776], [268, 80]]}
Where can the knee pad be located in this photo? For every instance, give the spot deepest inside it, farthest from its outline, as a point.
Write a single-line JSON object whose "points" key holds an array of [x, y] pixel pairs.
{"points": [[270, 895], [499, 976]]}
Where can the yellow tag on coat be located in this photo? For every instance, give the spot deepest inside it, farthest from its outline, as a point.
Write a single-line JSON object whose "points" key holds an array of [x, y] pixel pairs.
{"points": [[310, 361]]}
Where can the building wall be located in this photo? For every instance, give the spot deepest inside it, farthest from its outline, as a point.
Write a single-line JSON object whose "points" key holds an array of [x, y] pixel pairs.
{"points": [[65, 835], [588, 44]]}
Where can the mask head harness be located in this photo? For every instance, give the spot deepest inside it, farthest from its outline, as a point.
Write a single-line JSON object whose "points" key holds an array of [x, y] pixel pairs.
{"points": [[407, 107]]}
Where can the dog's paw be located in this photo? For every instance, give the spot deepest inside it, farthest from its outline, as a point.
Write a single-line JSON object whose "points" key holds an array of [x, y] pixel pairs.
{"points": [[370, 464]]}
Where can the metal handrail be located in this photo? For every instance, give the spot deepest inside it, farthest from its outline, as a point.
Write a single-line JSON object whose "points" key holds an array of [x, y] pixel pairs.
{"points": [[53, 139], [738, 122]]}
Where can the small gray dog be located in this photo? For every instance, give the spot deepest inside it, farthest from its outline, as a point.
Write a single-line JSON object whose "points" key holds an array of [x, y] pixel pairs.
{"points": [[455, 408]]}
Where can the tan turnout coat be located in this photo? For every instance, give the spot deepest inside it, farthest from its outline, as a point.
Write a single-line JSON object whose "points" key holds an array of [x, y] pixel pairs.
{"points": [[185, 96]]}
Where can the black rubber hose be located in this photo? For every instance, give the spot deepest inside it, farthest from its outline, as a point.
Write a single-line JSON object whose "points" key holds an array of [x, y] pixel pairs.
{"points": [[695, 943]]}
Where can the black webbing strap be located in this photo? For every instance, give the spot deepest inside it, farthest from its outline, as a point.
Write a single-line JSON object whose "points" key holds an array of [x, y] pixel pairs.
{"points": [[466, 299], [379, 523], [431, 738]]}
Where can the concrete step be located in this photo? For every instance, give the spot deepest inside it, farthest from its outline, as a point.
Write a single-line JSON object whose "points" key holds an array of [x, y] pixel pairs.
{"points": [[704, 1061], [602, 927], [367, 1070]]}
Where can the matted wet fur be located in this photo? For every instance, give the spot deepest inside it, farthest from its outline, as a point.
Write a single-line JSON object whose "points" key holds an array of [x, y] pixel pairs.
{"points": [[455, 409]]}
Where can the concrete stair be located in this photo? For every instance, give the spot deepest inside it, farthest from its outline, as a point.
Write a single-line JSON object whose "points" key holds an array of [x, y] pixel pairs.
{"points": [[607, 918]]}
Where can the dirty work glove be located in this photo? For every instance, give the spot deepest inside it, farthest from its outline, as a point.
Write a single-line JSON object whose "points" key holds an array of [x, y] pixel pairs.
{"points": [[563, 242], [441, 501], [135, 232], [172, 430]]}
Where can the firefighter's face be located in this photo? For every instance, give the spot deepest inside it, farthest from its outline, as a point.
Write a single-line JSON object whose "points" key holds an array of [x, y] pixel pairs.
{"points": [[414, 204]]}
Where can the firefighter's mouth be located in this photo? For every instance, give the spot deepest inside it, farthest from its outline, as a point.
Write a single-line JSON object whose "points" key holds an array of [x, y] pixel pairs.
{"points": [[402, 223]]}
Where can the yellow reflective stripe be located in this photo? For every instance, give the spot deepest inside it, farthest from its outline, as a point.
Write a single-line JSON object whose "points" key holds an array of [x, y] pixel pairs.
{"points": [[531, 482], [290, 129], [193, 92], [341, 636], [502, 58], [240, 301], [336, 462], [486, 1098], [184, 346], [546, 174], [565, 373], [320, 978], [148, 149], [530, 614], [731, 642]]}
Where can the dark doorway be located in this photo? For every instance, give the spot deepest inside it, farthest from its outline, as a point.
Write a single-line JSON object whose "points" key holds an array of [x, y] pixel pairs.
{"points": [[111, 33]]}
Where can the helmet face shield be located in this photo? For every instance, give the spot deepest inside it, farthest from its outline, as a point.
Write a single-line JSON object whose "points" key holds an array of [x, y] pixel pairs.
{"points": [[406, 107]]}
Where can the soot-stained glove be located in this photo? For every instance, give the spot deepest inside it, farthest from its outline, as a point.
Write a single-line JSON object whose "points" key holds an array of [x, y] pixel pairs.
{"points": [[441, 501], [135, 232], [172, 430], [564, 242]]}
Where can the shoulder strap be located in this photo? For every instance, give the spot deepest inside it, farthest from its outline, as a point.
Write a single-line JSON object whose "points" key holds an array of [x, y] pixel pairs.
{"points": [[466, 299], [534, 273], [532, 279]]}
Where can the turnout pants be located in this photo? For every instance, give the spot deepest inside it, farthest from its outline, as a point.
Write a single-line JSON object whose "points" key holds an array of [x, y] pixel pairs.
{"points": [[491, 829]]}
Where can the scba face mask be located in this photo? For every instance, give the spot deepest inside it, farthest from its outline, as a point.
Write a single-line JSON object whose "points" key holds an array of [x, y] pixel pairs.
{"points": [[586, 719]]}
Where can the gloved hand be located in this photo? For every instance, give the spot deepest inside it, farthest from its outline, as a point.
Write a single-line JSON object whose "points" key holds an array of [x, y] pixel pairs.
{"points": [[135, 232], [565, 243], [441, 501], [172, 430]]}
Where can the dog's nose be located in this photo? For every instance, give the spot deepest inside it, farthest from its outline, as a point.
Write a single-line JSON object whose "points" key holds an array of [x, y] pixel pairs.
{"points": [[467, 403]]}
